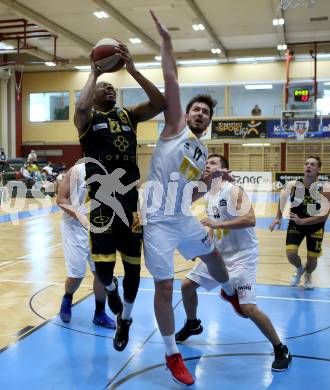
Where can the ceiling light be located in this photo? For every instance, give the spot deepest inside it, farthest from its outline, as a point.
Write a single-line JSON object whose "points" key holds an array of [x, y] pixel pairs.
{"points": [[278, 22], [4, 46], [143, 65], [282, 47], [215, 50], [258, 86], [135, 40], [158, 58], [323, 56], [83, 67], [151, 145], [50, 63], [254, 59], [261, 144], [198, 26], [101, 14], [246, 59], [198, 62]]}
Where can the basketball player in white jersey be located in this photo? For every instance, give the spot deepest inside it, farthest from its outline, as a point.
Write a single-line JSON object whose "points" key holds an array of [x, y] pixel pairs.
{"points": [[232, 220], [180, 157], [71, 197]]}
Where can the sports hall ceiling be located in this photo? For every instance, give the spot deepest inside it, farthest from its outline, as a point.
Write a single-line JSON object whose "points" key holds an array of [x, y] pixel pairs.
{"points": [[241, 28]]}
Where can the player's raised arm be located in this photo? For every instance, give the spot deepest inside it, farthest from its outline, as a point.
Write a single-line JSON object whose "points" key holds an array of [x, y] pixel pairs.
{"points": [[174, 117], [82, 113], [156, 103]]}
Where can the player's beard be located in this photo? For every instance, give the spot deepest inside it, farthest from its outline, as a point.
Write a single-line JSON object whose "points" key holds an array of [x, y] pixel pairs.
{"points": [[197, 130]]}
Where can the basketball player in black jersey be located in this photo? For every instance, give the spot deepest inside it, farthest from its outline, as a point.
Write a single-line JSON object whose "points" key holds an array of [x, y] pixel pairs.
{"points": [[107, 134], [309, 210]]}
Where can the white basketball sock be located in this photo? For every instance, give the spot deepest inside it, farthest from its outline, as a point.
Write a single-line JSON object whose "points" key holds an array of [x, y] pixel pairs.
{"points": [[128, 307], [170, 345], [111, 287]]}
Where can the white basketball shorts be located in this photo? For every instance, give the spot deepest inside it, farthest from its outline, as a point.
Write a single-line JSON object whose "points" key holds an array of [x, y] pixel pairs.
{"points": [[76, 249], [162, 237], [242, 269]]}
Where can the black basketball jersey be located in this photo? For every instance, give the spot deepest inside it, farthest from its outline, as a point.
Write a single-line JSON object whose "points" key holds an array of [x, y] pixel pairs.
{"points": [[110, 138], [300, 198]]}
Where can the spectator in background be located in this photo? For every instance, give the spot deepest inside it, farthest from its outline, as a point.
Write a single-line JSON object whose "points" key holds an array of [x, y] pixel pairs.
{"points": [[32, 157], [3, 157], [28, 178], [256, 110], [32, 168], [3, 161], [48, 168]]}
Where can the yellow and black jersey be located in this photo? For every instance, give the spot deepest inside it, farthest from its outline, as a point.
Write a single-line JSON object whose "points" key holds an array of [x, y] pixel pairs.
{"points": [[300, 198], [110, 138]]}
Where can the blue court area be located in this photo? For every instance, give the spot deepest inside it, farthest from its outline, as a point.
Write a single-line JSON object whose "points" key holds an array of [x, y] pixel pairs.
{"points": [[231, 353]]}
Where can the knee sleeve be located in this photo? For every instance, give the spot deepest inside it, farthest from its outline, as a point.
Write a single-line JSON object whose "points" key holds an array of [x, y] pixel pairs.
{"points": [[131, 281], [104, 272]]}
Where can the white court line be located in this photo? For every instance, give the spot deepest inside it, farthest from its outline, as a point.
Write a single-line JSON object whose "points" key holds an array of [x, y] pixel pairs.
{"points": [[40, 282], [258, 296], [6, 262], [151, 289]]}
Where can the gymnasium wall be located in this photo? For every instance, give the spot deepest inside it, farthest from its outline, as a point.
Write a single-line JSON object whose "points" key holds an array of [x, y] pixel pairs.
{"points": [[64, 133]]}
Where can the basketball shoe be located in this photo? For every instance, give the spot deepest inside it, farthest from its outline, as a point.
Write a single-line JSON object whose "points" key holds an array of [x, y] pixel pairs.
{"points": [[233, 300], [297, 276], [282, 358], [104, 320], [308, 283], [121, 336], [178, 369], [190, 328], [65, 311]]}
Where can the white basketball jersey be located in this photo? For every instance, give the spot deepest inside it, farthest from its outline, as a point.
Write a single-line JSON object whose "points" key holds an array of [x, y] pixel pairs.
{"points": [[175, 162], [221, 208], [78, 191]]}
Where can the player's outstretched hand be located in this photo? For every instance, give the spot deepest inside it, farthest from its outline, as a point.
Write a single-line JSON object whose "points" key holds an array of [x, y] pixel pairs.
{"points": [[163, 31]]}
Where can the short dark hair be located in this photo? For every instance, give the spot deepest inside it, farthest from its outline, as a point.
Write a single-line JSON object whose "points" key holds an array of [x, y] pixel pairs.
{"points": [[317, 158], [207, 99], [223, 160]]}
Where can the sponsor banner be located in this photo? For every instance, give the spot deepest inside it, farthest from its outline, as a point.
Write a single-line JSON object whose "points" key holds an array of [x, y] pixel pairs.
{"points": [[283, 177], [239, 129], [274, 129], [250, 181]]}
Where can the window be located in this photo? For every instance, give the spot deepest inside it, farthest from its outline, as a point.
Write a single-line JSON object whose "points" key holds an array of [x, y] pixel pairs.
{"points": [[216, 92], [323, 100], [244, 100], [134, 96], [49, 106], [76, 96]]}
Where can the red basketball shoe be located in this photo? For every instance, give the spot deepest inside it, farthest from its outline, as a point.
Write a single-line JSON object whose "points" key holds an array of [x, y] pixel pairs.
{"points": [[178, 370], [233, 299]]}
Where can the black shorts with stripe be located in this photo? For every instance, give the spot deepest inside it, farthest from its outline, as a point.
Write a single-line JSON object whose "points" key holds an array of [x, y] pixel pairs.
{"points": [[109, 232], [314, 237]]}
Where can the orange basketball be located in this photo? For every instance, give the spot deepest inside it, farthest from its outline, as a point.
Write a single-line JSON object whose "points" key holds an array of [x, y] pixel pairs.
{"points": [[105, 56]]}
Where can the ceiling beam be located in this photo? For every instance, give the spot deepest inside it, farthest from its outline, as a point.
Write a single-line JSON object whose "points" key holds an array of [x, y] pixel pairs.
{"points": [[199, 14], [105, 6], [33, 16]]}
